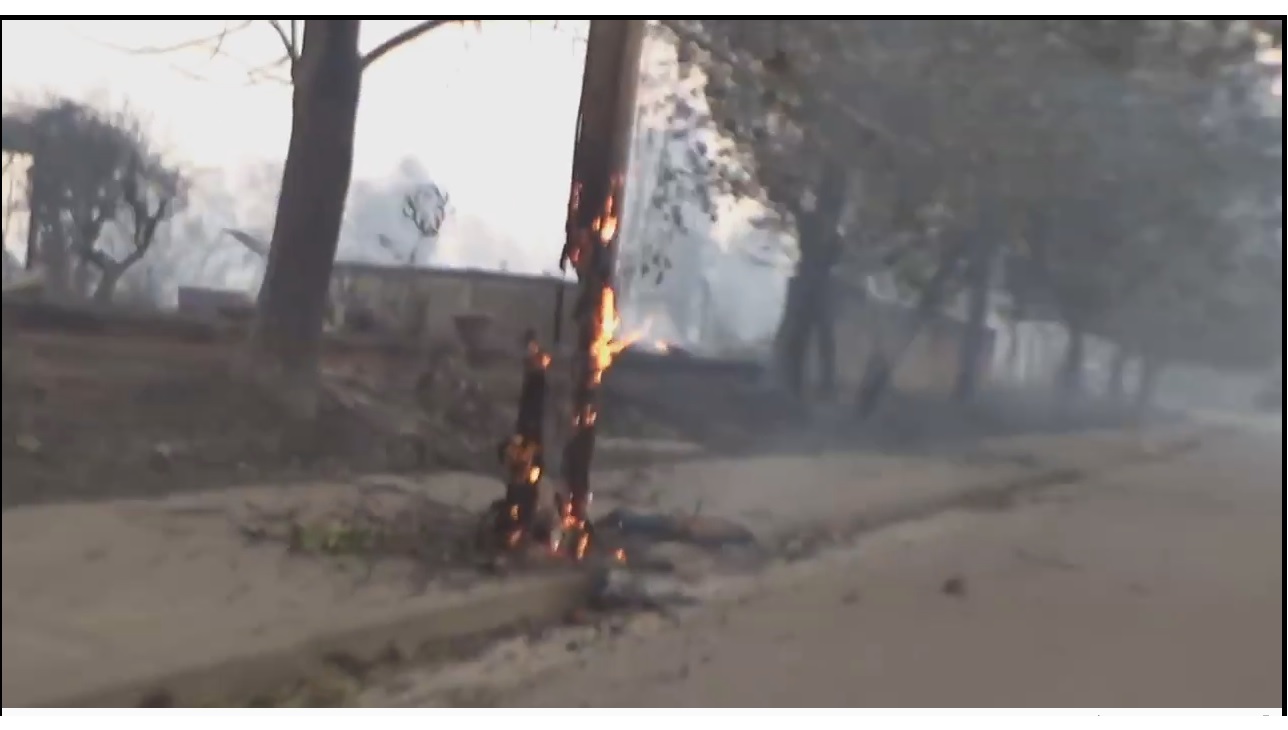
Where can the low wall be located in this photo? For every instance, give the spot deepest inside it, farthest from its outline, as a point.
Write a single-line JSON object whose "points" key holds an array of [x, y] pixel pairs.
{"points": [[209, 302], [929, 365], [423, 302]]}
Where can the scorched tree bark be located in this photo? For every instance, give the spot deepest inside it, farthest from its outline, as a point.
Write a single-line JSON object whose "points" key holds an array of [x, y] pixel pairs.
{"points": [[601, 155], [315, 181]]}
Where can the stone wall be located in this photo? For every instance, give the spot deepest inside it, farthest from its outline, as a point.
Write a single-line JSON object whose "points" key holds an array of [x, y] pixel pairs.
{"points": [[424, 302], [930, 365], [208, 302]]}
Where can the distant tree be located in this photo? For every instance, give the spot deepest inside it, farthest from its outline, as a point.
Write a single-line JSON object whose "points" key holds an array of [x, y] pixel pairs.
{"points": [[980, 119], [325, 68], [94, 174], [1162, 201], [326, 73], [426, 207]]}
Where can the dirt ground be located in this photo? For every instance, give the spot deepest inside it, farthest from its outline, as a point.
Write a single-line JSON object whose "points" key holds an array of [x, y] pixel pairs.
{"points": [[1156, 586], [90, 417], [117, 407], [155, 407]]}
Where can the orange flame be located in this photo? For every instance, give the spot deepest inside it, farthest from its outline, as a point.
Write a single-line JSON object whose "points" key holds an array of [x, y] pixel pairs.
{"points": [[607, 228], [514, 536], [538, 357], [606, 346]]}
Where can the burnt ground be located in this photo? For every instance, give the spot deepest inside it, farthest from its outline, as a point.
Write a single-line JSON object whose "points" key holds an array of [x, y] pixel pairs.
{"points": [[148, 411], [152, 410], [729, 407], [102, 416], [137, 408]]}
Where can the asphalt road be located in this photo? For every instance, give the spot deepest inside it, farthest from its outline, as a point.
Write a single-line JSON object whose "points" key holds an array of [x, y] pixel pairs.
{"points": [[1157, 586]]}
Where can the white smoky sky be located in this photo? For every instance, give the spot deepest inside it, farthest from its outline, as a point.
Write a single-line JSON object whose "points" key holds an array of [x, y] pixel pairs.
{"points": [[486, 111]]}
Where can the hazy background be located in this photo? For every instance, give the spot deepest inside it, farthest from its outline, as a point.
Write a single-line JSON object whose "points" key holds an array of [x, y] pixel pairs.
{"points": [[486, 113]]}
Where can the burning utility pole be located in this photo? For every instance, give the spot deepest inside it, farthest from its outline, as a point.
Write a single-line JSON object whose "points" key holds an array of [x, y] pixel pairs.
{"points": [[596, 198], [523, 454]]}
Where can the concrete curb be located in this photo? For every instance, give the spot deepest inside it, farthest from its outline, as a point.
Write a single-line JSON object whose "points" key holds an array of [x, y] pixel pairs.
{"points": [[431, 628], [1000, 492], [495, 672], [244, 678]]}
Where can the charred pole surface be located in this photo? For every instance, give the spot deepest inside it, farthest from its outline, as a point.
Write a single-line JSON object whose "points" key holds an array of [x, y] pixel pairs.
{"points": [[601, 155], [523, 454]]}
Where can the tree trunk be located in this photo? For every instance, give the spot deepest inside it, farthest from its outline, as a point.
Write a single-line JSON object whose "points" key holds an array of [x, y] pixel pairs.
{"points": [[108, 281], [1069, 385], [286, 337], [33, 237], [47, 248], [974, 340], [1116, 387], [1015, 347], [1150, 372], [82, 278], [807, 316], [825, 335], [878, 373], [1019, 312], [792, 335], [882, 363], [808, 310], [1012, 357]]}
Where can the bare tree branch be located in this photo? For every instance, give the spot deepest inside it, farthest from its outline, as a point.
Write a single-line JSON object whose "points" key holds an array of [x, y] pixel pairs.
{"points": [[288, 35], [271, 71], [251, 242], [408, 35], [214, 41], [288, 40], [418, 218]]}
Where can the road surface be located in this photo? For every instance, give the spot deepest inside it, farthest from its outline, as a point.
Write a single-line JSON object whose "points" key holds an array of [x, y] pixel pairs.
{"points": [[1157, 586]]}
